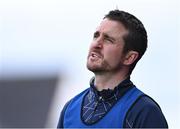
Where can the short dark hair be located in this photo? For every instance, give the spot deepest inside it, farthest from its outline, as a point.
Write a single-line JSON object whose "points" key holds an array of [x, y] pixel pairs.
{"points": [[136, 39]]}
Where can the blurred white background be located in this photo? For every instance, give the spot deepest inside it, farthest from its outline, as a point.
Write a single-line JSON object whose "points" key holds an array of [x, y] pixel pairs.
{"points": [[51, 37]]}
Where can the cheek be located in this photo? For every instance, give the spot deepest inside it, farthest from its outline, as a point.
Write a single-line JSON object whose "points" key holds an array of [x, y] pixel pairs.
{"points": [[114, 56]]}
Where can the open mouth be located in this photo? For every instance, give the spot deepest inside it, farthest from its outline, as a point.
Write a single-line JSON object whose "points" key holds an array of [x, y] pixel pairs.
{"points": [[95, 55]]}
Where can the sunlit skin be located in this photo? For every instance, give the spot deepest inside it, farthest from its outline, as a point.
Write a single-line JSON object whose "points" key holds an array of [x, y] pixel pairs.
{"points": [[106, 58]]}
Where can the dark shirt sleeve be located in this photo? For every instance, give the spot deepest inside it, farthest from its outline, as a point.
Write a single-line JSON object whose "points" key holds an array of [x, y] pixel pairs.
{"points": [[61, 119], [145, 113]]}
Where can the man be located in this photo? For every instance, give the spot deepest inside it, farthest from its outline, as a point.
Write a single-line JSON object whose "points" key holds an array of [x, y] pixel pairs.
{"points": [[113, 101]]}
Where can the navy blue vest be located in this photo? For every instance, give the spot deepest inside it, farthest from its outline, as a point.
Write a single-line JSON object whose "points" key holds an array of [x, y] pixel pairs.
{"points": [[113, 119]]}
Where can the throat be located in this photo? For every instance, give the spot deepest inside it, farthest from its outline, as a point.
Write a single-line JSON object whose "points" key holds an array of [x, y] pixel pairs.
{"points": [[108, 82]]}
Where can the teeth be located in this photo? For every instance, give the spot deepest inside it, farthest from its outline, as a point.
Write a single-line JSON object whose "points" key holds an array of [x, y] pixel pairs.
{"points": [[94, 55]]}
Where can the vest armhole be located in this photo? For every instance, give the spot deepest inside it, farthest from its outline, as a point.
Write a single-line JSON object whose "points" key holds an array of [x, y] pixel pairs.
{"points": [[124, 122], [143, 95]]}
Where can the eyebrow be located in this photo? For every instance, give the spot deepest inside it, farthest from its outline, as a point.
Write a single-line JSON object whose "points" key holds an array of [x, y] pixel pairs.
{"points": [[105, 35]]}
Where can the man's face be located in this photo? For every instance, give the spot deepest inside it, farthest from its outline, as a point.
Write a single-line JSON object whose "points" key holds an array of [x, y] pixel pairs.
{"points": [[105, 53]]}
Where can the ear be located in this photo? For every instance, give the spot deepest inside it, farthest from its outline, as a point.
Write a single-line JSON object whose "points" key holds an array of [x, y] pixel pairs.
{"points": [[130, 57]]}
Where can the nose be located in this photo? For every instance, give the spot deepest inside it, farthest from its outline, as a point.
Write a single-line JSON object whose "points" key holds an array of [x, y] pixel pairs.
{"points": [[98, 43]]}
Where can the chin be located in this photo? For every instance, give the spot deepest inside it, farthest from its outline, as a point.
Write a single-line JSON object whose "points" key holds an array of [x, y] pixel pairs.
{"points": [[91, 67], [94, 68], [97, 66]]}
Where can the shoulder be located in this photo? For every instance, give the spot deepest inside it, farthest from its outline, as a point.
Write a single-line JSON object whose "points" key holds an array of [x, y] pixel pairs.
{"points": [[145, 113], [145, 102]]}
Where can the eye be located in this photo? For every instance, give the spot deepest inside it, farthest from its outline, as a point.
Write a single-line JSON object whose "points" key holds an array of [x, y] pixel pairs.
{"points": [[96, 35], [109, 40]]}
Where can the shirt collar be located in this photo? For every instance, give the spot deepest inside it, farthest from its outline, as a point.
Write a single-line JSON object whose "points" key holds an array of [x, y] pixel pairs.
{"points": [[108, 93]]}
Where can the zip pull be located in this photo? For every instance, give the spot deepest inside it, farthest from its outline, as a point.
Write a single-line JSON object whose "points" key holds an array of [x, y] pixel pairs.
{"points": [[100, 98]]}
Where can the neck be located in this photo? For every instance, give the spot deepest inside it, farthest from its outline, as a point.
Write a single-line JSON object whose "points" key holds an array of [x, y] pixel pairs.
{"points": [[108, 80]]}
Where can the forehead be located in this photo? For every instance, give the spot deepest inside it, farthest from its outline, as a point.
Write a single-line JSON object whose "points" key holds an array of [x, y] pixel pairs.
{"points": [[112, 27]]}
